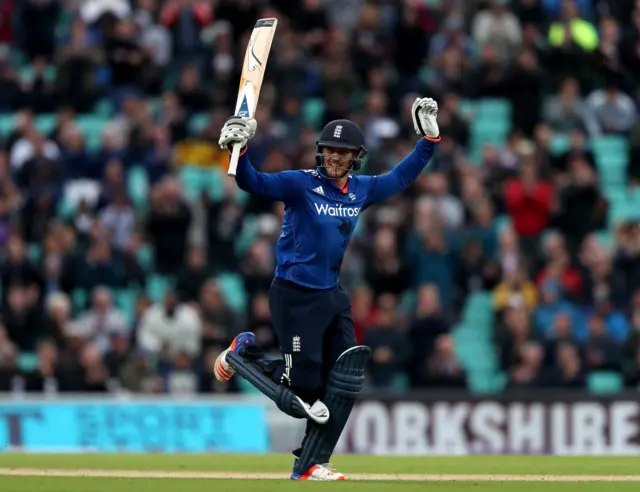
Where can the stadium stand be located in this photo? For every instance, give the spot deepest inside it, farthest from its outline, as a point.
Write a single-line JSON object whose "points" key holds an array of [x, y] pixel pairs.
{"points": [[130, 259]]}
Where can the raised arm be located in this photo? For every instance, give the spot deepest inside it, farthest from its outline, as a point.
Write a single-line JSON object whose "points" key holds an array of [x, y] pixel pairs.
{"points": [[424, 113], [279, 186], [405, 173]]}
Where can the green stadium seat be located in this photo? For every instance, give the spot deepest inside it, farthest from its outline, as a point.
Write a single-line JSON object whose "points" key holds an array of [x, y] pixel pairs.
{"points": [[247, 235], [489, 108], [27, 73], [198, 123], [138, 186], [609, 144], [155, 106], [6, 124], [616, 194], [612, 161], [17, 57], [313, 112], [426, 74], [193, 180], [46, 123], [634, 194], [34, 252], [145, 256], [500, 381], [66, 209], [157, 287], [242, 197], [467, 107], [474, 345], [560, 143], [79, 298], [491, 124], [611, 176], [605, 382], [485, 131], [28, 361], [92, 127], [247, 388], [402, 382], [481, 381], [104, 108], [232, 289], [503, 222], [214, 183], [623, 212], [605, 238], [408, 301], [125, 300]]}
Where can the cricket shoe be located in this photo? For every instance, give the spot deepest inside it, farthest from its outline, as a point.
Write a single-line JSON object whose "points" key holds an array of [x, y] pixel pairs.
{"points": [[221, 369], [318, 473]]}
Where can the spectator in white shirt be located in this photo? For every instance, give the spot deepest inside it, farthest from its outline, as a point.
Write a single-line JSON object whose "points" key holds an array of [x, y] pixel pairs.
{"points": [[170, 329], [614, 110], [498, 27], [25, 149]]}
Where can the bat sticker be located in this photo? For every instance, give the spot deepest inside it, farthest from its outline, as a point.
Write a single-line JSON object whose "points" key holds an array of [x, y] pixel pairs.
{"points": [[254, 61]]}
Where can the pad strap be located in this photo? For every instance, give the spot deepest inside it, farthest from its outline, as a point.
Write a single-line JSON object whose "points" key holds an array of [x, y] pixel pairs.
{"points": [[283, 397]]}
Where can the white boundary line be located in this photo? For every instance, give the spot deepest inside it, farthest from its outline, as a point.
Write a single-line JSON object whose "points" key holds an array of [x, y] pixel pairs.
{"points": [[34, 472]]}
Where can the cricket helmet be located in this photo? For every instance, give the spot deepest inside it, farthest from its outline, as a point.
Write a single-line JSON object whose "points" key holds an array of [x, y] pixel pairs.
{"points": [[342, 134]]}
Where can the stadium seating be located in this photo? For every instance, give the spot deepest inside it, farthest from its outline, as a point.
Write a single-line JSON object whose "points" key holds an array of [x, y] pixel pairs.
{"points": [[490, 123], [605, 382], [474, 344], [138, 186]]}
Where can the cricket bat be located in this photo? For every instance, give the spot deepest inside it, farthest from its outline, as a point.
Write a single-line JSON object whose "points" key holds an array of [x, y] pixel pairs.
{"points": [[253, 68]]}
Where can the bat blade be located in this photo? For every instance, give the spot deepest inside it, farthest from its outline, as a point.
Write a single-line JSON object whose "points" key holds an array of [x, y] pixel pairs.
{"points": [[253, 70]]}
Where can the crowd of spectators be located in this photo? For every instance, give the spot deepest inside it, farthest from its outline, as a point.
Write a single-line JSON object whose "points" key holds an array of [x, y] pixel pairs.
{"points": [[565, 303]]}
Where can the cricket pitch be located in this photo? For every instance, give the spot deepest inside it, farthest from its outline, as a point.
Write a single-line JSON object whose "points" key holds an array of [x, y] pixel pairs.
{"points": [[411, 477], [261, 473]]}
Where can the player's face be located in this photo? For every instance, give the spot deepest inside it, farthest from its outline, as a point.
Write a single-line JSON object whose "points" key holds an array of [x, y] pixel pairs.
{"points": [[337, 161]]}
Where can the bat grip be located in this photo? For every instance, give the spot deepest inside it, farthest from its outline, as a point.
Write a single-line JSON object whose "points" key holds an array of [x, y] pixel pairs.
{"points": [[233, 162]]}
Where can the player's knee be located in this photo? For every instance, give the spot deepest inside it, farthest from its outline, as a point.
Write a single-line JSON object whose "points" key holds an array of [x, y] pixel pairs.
{"points": [[305, 379]]}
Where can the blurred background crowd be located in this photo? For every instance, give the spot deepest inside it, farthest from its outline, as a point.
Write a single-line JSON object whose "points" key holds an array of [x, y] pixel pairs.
{"points": [[129, 259]]}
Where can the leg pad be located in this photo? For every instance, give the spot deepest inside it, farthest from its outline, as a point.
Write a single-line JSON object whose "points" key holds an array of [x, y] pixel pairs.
{"points": [[344, 383]]}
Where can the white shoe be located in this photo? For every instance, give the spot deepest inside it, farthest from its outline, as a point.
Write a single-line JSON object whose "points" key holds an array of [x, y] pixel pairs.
{"points": [[321, 473]]}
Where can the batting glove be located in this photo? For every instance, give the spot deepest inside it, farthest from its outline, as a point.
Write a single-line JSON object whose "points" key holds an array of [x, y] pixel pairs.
{"points": [[237, 130], [425, 112]]}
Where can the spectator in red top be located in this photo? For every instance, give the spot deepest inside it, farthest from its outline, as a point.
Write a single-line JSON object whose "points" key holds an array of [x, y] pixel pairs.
{"points": [[528, 201], [6, 17], [185, 19], [363, 311], [558, 267]]}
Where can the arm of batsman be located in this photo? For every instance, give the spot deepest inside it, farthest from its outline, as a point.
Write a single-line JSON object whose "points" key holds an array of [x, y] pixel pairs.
{"points": [[424, 112], [237, 130]]}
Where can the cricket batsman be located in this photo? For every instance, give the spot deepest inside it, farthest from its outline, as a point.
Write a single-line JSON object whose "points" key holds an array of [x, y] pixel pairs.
{"points": [[322, 369]]}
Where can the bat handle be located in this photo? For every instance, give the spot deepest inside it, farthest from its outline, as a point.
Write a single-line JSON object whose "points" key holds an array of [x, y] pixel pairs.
{"points": [[233, 162]]}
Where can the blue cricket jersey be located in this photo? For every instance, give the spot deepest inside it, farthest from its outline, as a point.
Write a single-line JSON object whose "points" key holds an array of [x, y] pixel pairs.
{"points": [[320, 217]]}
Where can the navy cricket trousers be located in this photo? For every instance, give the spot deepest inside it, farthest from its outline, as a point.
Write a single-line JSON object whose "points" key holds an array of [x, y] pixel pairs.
{"points": [[313, 328]]}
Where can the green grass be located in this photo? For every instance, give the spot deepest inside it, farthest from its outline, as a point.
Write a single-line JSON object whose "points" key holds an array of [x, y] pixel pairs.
{"points": [[281, 463], [31, 484]]}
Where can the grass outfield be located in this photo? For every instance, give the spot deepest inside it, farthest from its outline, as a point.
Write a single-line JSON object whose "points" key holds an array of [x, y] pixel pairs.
{"points": [[257, 473]]}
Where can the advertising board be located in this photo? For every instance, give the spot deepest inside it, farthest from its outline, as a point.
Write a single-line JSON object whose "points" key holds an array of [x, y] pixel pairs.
{"points": [[450, 426], [133, 426]]}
